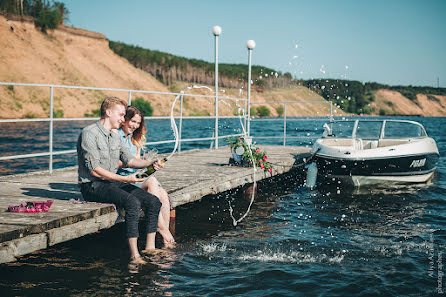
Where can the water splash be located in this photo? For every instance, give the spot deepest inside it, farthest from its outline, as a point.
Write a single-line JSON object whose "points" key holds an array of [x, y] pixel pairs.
{"points": [[173, 125]]}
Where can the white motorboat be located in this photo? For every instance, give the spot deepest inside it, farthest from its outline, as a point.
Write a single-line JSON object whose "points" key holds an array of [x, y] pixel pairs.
{"points": [[374, 151]]}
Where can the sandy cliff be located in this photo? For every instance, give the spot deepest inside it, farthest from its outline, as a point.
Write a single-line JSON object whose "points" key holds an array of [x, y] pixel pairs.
{"points": [[65, 56]]}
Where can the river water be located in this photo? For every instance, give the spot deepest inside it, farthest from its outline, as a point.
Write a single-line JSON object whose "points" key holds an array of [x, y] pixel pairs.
{"points": [[387, 241]]}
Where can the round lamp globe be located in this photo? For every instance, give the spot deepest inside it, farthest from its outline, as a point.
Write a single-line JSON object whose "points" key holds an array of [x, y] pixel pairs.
{"points": [[250, 44], [216, 30]]}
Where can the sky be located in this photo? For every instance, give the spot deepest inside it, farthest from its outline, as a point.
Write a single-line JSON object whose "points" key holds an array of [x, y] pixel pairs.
{"points": [[394, 42]]}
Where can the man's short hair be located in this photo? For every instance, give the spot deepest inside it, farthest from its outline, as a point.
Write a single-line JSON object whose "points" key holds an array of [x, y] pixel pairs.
{"points": [[109, 102]]}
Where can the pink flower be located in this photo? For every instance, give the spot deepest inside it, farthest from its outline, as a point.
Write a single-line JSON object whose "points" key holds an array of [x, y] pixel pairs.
{"points": [[257, 151], [261, 165], [265, 158], [249, 163], [260, 161], [46, 208], [269, 169], [39, 210]]}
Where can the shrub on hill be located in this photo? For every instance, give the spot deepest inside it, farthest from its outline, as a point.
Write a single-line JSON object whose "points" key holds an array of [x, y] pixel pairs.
{"points": [[144, 106], [263, 111]]}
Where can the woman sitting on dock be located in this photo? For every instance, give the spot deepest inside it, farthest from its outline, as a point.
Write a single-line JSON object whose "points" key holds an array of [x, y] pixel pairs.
{"points": [[132, 133]]}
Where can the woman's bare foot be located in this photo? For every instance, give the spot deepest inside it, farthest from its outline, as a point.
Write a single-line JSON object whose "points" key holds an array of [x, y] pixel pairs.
{"points": [[169, 245], [167, 236]]}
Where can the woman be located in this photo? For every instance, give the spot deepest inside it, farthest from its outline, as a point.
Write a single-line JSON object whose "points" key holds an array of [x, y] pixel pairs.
{"points": [[133, 132]]}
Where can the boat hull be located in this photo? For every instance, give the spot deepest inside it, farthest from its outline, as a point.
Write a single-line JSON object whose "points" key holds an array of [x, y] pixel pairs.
{"points": [[417, 168]]}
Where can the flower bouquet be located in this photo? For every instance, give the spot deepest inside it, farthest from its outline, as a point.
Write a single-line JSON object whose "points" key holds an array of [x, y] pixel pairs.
{"points": [[241, 155], [31, 206]]}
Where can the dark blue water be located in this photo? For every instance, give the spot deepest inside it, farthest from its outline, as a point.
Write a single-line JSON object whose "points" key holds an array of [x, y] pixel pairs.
{"points": [[387, 241]]}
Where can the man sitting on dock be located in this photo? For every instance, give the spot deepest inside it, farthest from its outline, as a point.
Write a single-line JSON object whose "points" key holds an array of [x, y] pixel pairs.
{"points": [[99, 149]]}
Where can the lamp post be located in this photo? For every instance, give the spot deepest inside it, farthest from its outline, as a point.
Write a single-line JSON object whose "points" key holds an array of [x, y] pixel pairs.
{"points": [[250, 44], [216, 30]]}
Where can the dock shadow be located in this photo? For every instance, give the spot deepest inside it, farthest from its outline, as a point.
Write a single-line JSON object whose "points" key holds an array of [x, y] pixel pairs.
{"points": [[59, 191]]}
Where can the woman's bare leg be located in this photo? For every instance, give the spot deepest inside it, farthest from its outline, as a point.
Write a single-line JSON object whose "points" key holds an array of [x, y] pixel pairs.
{"points": [[153, 188]]}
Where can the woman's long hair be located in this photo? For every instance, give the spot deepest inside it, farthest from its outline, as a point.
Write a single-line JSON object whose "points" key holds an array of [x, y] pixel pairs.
{"points": [[138, 137]]}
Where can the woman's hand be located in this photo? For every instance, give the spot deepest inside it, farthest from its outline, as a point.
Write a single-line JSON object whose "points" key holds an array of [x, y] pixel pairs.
{"points": [[133, 179]]}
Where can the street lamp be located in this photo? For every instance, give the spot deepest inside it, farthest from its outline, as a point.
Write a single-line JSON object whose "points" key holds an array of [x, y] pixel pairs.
{"points": [[250, 44], [216, 30]]}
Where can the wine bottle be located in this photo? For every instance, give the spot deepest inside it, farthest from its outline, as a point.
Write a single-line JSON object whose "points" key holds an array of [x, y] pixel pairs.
{"points": [[150, 169]]}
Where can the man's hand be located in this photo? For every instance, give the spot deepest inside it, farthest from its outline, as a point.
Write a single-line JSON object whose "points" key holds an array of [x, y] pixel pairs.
{"points": [[158, 165]]}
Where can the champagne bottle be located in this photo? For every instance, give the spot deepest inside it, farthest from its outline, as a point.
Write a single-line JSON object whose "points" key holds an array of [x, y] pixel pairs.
{"points": [[150, 169]]}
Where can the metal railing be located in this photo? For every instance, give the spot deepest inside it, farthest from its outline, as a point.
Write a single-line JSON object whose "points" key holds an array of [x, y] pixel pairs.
{"points": [[215, 138]]}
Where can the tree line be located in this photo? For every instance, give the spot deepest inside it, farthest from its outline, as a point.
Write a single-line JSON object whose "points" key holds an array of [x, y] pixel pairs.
{"points": [[168, 68], [355, 97], [46, 14]]}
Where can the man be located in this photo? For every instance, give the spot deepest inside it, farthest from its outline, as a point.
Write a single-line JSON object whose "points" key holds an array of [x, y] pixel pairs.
{"points": [[99, 149]]}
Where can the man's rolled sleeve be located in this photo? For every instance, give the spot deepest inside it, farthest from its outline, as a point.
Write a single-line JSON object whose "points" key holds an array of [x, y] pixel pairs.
{"points": [[90, 149]]}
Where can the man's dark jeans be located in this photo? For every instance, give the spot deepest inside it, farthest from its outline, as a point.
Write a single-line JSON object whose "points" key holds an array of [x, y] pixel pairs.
{"points": [[129, 197]]}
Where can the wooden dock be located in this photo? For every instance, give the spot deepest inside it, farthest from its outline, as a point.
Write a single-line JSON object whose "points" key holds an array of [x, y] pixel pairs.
{"points": [[187, 177]]}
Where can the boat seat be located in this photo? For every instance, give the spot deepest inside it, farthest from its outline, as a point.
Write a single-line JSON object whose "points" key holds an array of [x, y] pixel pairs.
{"points": [[358, 144], [372, 144]]}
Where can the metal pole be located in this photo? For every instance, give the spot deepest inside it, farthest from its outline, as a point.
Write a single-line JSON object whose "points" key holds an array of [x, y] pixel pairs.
{"points": [[249, 91], [216, 91], [180, 124], [130, 98], [284, 124], [51, 130], [250, 44]]}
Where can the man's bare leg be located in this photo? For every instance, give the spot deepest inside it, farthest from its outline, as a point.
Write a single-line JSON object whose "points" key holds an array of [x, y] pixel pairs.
{"points": [[135, 257]]}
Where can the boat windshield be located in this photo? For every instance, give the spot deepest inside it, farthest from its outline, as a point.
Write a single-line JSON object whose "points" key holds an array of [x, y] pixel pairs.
{"points": [[376, 129], [368, 129], [395, 129], [342, 129]]}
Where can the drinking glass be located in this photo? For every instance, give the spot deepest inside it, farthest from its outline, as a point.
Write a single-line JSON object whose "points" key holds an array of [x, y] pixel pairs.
{"points": [[150, 154]]}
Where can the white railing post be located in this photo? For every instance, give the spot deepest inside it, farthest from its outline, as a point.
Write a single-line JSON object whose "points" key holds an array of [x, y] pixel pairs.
{"points": [[180, 124], [284, 124], [51, 129], [130, 98]]}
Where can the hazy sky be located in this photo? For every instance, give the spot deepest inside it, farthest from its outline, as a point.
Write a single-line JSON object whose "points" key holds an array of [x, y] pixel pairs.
{"points": [[396, 42]]}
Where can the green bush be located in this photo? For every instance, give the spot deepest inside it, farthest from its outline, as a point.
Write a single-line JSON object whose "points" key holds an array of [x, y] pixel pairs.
{"points": [[263, 111], [144, 106], [30, 115], [253, 111], [280, 110], [58, 113], [94, 113], [48, 18]]}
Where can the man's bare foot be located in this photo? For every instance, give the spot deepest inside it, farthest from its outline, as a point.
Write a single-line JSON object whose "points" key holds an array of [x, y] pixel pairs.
{"points": [[151, 251], [137, 260]]}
